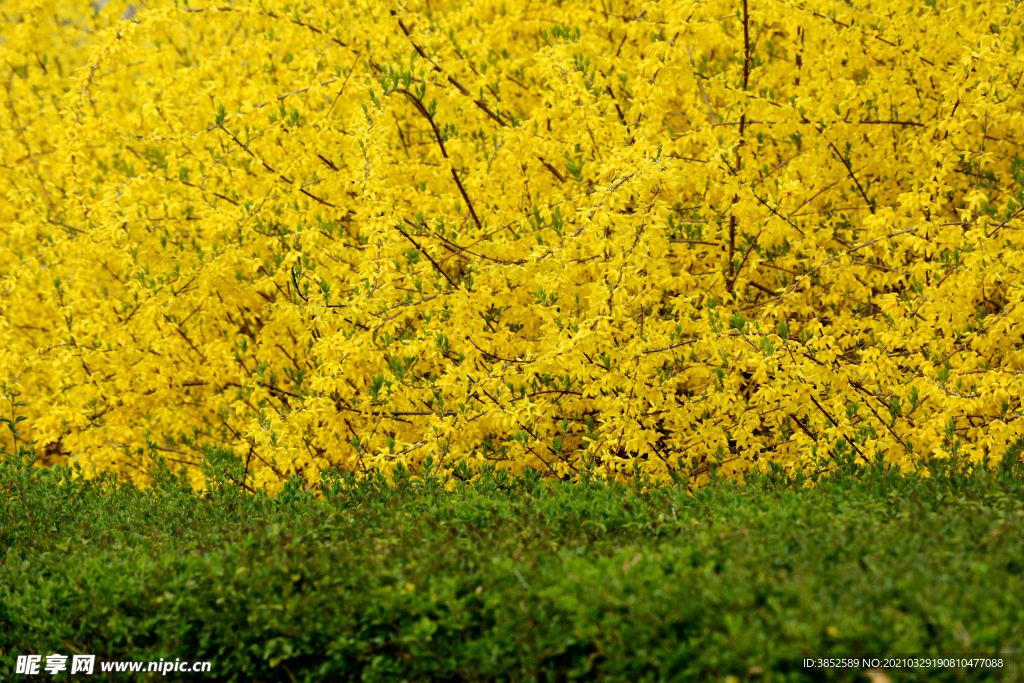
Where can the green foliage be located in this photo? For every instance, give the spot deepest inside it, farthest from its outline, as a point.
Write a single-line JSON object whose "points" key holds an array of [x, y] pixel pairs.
{"points": [[507, 578]]}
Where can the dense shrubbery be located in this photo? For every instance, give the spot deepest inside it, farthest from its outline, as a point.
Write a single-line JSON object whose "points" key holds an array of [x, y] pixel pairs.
{"points": [[376, 281], [514, 578], [543, 236]]}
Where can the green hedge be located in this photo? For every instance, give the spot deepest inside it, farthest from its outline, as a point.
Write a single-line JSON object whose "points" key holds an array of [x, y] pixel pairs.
{"points": [[513, 579]]}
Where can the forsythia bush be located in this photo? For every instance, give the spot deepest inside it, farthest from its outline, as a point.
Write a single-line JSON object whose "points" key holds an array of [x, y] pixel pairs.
{"points": [[681, 238]]}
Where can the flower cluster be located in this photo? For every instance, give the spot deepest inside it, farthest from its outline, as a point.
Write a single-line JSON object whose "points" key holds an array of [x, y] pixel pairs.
{"points": [[685, 239]]}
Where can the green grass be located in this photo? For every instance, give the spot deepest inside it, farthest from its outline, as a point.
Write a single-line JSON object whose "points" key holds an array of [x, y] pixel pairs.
{"points": [[514, 579]]}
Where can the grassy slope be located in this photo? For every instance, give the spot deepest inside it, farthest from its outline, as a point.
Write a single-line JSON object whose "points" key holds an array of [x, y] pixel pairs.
{"points": [[515, 580]]}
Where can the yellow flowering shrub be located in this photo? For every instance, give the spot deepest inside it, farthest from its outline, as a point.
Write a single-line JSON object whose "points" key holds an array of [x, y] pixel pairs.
{"points": [[657, 237]]}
